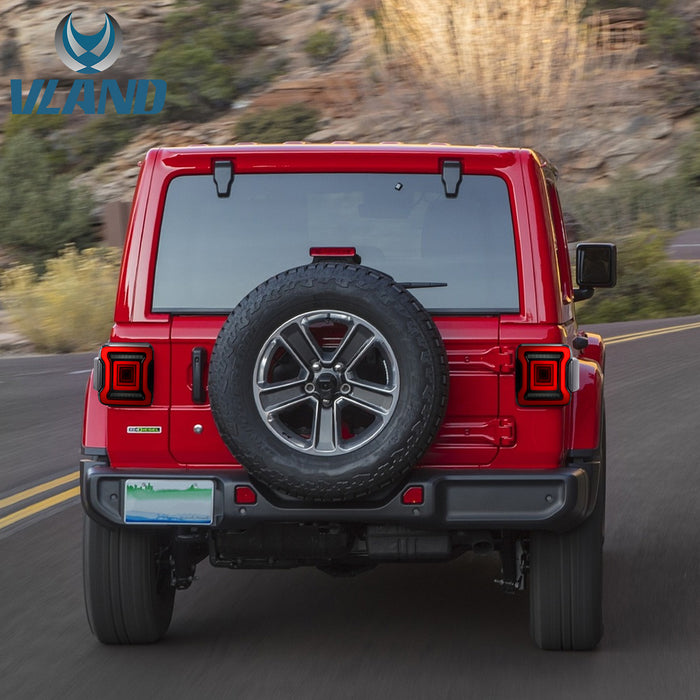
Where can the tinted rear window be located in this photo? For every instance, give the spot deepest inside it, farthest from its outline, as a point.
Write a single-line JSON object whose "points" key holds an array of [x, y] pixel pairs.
{"points": [[213, 251]]}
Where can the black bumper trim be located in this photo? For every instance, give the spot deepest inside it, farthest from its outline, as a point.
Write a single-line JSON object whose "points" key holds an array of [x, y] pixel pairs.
{"points": [[94, 451], [547, 499]]}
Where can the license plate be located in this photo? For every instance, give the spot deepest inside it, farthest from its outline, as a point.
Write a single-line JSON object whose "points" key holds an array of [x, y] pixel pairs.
{"points": [[169, 501]]}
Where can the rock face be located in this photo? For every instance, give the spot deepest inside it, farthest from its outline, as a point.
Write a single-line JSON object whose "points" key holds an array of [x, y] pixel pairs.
{"points": [[619, 27], [635, 122], [335, 98], [689, 11]]}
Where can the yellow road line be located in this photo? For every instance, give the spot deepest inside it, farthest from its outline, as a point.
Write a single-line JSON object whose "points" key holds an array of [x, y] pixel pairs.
{"points": [[685, 326], [38, 507], [650, 333], [41, 488]]}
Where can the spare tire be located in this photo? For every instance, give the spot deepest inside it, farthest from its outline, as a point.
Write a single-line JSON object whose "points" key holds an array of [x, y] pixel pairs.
{"points": [[328, 382]]}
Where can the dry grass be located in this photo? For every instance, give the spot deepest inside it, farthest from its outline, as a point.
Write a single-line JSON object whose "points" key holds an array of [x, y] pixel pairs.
{"points": [[71, 306], [504, 67]]}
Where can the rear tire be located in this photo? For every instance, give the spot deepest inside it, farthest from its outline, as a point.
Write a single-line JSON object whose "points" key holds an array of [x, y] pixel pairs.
{"points": [[566, 582], [128, 594]]}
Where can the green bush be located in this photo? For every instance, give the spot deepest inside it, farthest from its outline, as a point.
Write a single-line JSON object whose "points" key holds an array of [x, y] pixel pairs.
{"points": [[292, 123], [46, 128], [100, 138], [689, 167], [261, 70], [322, 46], [71, 306], [667, 35], [199, 59], [39, 210], [629, 204], [649, 285], [37, 124]]}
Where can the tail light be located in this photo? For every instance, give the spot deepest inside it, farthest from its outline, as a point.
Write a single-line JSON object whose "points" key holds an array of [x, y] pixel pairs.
{"points": [[123, 375], [546, 375]]}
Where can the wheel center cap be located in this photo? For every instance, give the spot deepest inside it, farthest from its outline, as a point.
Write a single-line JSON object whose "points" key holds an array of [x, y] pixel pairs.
{"points": [[327, 385]]}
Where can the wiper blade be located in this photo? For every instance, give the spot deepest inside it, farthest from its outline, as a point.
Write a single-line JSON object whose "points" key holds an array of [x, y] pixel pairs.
{"points": [[422, 285]]}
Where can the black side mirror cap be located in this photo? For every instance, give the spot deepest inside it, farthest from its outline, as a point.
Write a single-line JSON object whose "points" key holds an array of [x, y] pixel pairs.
{"points": [[596, 265]]}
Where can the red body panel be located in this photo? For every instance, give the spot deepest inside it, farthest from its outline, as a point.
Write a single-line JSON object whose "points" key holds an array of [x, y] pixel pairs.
{"points": [[595, 352], [484, 427], [586, 408], [469, 433], [205, 448]]}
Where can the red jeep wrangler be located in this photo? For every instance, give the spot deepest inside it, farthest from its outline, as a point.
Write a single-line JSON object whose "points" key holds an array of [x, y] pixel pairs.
{"points": [[342, 355]]}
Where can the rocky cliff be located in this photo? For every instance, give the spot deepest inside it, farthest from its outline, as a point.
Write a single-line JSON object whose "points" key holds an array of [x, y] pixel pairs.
{"points": [[635, 121]]}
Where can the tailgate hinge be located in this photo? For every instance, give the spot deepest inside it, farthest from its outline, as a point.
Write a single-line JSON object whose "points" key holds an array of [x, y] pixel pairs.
{"points": [[506, 431], [497, 359], [499, 432]]}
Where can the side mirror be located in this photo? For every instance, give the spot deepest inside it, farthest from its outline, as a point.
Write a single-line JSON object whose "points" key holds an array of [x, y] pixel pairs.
{"points": [[596, 266]]}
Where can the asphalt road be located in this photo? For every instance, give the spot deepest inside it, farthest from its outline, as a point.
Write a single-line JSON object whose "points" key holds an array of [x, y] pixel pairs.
{"points": [[411, 631], [685, 246]]}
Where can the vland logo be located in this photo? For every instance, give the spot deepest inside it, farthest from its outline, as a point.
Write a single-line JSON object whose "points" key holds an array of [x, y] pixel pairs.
{"points": [[88, 54]]}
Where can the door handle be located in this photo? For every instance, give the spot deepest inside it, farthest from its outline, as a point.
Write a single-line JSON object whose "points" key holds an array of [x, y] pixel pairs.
{"points": [[199, 356]]}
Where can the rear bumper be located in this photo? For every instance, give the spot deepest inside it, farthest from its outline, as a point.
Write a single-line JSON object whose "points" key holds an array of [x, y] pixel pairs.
{"points": [[553, 499]]}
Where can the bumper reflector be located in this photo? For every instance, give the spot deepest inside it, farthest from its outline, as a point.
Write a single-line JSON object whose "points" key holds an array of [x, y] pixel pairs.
{"points": [[244, 495], [412, 496]]}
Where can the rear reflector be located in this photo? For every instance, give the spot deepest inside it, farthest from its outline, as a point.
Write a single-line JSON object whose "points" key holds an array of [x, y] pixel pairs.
{"points": [[244, 495], [124, 375], [412, 496], [542, 375]]}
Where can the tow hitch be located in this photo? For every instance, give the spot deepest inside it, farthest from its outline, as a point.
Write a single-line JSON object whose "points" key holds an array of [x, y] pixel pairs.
{"points": [[513, 566]]}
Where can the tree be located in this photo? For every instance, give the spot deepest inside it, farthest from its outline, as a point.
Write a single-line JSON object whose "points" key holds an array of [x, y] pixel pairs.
{"points": [[39, 211], [199, 59]]}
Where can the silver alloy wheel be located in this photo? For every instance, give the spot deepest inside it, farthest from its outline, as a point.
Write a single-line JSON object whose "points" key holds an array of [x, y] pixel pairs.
{"points": [[326, 382]]}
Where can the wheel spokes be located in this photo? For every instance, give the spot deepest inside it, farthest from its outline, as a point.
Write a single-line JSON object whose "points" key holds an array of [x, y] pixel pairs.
{"points": [[325, 429], [326, 382], [373, 398], [276, 397], [301, 344], [356, 342]]}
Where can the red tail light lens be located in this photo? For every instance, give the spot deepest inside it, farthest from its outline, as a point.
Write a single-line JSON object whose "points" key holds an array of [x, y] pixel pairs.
{"points": [[542, 375], [124, 375]]}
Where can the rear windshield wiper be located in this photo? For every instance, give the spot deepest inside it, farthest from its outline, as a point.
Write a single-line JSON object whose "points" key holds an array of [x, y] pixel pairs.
{"points": [[422, 285]]}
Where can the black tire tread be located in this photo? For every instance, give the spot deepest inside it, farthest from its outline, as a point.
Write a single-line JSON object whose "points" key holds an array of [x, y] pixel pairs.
{"points": [[123, 599], [565, 581]]}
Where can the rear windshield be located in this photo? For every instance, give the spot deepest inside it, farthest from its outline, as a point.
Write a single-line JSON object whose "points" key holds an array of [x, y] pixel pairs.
{"points": [[214, 250]]}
